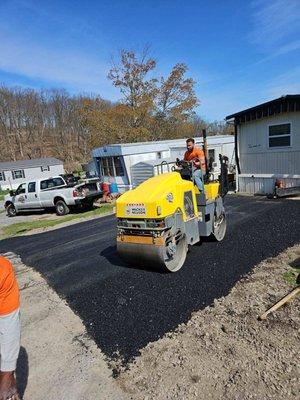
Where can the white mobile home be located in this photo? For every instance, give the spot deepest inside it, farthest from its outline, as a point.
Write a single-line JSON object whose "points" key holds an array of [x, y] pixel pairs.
{"points": [[13, 173], [129, 164], [268, 145]]}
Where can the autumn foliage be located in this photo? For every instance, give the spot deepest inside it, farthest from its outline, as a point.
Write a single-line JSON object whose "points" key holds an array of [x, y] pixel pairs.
{"points": [[150, 107], [36, 124]]}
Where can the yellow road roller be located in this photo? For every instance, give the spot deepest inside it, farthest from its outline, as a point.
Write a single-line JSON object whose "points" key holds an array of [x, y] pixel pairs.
{"points": [[158, 220]]}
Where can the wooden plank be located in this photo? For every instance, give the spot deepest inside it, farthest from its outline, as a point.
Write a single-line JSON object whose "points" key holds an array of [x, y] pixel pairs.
{"points": [[281, 302]]}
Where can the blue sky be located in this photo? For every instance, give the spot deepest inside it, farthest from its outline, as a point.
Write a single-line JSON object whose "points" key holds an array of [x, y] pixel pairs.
{"points": [[239, 52]]}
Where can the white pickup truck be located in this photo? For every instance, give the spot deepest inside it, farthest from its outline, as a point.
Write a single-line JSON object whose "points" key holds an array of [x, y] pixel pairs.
{"points": [[53, 193]]}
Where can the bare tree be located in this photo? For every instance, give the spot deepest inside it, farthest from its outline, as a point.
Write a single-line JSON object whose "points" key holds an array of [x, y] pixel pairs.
{"points": [[42, 123], [47, 123]]}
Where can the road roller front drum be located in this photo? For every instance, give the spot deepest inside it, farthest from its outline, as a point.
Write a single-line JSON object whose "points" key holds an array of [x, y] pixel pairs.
{"points": [[169, 256]]}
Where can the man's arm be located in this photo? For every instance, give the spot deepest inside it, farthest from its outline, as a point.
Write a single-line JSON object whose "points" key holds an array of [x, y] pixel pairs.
{"points": [[199, 161], [201, 157]]}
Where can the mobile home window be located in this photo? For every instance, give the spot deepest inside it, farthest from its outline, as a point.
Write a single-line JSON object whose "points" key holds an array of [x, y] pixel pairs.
{"points": [[111, 166], [45, 168], [118, 166], [2, 176], [107, 166], [19, 174], [280, 135]]}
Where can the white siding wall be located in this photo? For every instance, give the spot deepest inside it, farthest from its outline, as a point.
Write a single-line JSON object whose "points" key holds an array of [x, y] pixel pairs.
{"points": [[30, 173], [262, 185], [286, 162], [257, 158]]}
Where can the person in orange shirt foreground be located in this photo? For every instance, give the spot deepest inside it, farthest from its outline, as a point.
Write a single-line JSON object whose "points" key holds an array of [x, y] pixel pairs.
{"points": [[9, 330], [197, 156]]}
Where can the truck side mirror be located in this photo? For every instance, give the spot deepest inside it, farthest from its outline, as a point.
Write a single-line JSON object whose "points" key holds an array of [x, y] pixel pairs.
{"points": [[12, 193]]}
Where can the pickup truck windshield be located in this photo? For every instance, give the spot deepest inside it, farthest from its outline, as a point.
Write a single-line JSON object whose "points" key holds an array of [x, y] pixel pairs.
{"points": [[51, 183]]}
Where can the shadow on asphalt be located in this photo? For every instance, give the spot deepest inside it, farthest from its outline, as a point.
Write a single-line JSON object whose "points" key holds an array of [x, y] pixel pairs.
{"points": [[111, 255]]}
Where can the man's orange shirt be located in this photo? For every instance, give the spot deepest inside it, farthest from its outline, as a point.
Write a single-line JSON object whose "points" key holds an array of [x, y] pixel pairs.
{"points": [[195, 153], [9, 289]]}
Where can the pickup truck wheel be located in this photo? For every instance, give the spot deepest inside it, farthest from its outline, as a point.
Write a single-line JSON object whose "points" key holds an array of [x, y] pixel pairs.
{"points": [[11, 210], [61, 208]]}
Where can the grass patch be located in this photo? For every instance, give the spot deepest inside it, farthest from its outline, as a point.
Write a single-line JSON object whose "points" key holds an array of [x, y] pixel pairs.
{"points": [[22, 227], [291, 276], [3, 193]]}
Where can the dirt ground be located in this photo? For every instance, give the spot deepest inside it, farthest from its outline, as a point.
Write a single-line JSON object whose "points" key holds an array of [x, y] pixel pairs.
{"points": [[224, 352]]}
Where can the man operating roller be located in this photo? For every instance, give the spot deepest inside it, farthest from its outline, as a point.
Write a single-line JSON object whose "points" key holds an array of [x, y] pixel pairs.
{"points": [[9, 330], [197, 157]]}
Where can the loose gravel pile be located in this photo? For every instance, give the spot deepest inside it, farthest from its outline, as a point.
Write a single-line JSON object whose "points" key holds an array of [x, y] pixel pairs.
{"points": [[224, 352]]}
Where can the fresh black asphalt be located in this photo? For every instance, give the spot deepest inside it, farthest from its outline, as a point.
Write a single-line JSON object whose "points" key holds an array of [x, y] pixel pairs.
{"points": [[124, 308]]}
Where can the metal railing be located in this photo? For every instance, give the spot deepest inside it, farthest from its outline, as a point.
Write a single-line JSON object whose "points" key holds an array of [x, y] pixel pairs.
{"points": [[159, 168]]}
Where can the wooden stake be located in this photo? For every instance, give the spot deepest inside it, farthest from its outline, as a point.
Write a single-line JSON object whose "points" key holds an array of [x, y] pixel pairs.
{"points": [[281, 302]]}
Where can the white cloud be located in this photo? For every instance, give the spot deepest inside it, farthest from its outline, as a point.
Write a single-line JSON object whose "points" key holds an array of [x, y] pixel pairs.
{"points": [[50, 13], [274, 20], [282, 50], [74, 69], [229, 98], [239, 96], [27, 50]]}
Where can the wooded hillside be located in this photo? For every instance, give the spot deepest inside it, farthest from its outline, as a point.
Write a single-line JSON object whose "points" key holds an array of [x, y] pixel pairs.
{"points": [[43, 123]]}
